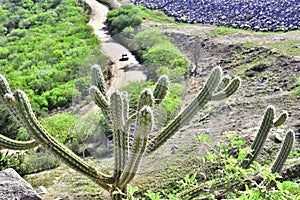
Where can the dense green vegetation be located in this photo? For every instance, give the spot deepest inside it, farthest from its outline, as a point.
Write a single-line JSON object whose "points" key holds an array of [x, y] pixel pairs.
{"points": [[46, 50], [43, 45], [132, 16]]}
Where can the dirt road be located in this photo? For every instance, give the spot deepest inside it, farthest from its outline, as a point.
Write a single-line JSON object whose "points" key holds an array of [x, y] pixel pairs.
{"points": [[112, 49]]}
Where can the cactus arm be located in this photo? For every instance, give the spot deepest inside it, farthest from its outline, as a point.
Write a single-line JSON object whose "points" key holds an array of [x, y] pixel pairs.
{"points": [[161, 89], [8, 143], [229, 90], [98, 80], [260, 138], [20, 101], [144, 124], [125, 113], [125, 107], [99, 93], [99, 98], [120, 135], [188, 113], [284, 152], [125, 129], [281, 119], [101, 101], [116, 104], [265, 127], [4, 86], [225, 81], [119, 153], [146, 99]]}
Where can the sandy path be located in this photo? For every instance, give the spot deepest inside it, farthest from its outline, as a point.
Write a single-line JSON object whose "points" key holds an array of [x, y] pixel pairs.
{"points": [[112, 49]]}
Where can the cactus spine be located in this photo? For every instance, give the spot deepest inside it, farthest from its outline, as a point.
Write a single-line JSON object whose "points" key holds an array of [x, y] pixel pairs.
{"points": [[261, 136], [116, 112], [284, 152]]}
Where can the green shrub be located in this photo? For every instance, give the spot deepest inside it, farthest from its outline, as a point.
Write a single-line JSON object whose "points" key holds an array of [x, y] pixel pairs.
{"points": [[173, 99], [9, 160], [61, 126], [175, 75], [221, 177], [162, 54], [296, 90], [34, 162], [8, 126], [91, 128], [147, 39], [118, 20]]}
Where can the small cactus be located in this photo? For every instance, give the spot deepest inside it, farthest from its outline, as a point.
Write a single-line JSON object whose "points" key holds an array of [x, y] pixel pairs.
{"points": [[281, 119], [266, 125], [284, 152]]}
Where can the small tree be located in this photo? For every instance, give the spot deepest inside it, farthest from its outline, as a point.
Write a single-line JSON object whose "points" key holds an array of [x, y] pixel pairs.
{"points": [[197, 55]]}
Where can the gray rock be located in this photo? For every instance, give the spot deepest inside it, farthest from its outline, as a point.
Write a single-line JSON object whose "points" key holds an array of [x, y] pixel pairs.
{"points": [[41, 190], [13, 186]]}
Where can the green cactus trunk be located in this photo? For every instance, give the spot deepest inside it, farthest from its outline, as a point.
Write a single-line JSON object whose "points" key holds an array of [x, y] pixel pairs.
{"points": [[284, 152], [8, 143], [116, 112]]}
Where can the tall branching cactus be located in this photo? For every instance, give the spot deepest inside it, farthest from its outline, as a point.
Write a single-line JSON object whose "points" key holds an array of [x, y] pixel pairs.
{"points": [[115, 109]]}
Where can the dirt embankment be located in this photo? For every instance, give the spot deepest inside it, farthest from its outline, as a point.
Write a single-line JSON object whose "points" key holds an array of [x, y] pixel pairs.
{"points": [[267, 77]]}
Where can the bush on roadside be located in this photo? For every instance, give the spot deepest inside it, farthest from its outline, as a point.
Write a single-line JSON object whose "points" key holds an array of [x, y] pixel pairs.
{"points": [[37, 161], [10, 160], [127, 16]]}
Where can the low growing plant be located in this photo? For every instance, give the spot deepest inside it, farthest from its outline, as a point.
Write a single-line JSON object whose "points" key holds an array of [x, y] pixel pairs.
{"points": [[223, 177]]}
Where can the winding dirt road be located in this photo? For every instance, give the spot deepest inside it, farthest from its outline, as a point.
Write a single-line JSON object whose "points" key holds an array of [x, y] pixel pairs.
{"points": [[112, 49]]}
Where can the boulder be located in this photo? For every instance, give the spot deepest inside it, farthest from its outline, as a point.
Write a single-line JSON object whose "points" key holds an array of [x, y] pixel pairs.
{"points": [[13, 186]]}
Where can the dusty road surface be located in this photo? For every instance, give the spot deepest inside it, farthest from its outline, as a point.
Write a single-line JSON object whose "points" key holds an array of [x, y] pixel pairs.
{"points": [[112, 49]]}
